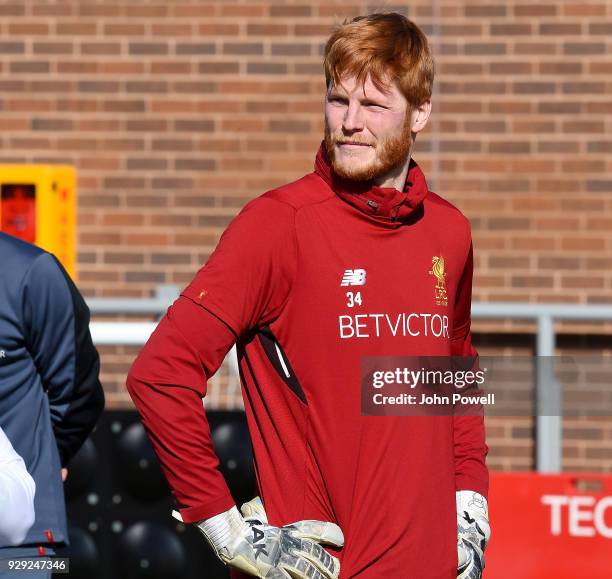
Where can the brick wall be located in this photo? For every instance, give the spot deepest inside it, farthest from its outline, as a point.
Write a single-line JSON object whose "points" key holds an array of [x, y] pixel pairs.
{"points": [[176, 113]]}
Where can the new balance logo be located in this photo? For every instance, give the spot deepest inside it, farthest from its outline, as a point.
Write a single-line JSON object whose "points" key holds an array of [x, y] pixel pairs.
{"points": [[353, 277]]}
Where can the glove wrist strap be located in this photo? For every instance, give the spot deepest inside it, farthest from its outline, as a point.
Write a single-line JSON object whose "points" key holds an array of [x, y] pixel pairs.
{"points": [[222, 528]]}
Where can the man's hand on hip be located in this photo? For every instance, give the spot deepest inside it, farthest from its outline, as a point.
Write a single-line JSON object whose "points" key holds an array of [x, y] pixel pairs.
{"points": [[250, 544]]}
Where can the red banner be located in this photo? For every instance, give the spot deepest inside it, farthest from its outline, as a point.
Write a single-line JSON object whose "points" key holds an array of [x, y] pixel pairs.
{"points": [[550, 527]]}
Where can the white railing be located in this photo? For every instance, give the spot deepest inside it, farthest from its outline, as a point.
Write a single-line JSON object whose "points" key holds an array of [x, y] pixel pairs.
{"points": [[548, 390], [549, 432]]}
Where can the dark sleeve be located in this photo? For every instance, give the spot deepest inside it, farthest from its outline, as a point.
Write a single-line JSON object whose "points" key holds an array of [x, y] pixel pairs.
{"points": [[56, 321], [469, 430], [167, 383]]}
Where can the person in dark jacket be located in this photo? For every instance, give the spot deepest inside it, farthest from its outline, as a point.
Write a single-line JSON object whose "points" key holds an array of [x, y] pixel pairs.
{"points": [[50, 393]]}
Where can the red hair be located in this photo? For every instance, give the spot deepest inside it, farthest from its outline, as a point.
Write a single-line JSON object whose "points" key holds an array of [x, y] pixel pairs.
{"points": [[387, 48]]}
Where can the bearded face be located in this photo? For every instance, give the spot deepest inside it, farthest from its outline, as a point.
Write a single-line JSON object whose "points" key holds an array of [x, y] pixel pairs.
{"points": [[371, 161], [367, 132]]}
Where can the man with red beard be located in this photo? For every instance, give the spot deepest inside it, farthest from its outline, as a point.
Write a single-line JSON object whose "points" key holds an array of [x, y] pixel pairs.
{"points": [[308, 280]]}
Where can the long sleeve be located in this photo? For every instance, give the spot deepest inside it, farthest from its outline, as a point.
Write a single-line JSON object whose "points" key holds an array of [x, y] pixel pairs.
{"points": [[16, 495], [56, 321], [471, 472], [245, 283], [167, 383]]}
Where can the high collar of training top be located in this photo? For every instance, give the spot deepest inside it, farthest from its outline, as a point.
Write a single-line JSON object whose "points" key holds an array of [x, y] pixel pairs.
{"points": [[382, 202]]}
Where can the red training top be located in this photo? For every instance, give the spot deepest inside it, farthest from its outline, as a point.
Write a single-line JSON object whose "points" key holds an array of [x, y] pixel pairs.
{"points": [[308, 279]]}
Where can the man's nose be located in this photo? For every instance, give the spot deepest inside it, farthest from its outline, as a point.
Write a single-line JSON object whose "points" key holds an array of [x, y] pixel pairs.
{"points": [[353, 118]]}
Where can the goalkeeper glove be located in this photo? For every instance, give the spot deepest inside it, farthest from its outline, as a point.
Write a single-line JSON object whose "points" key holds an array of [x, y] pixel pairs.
{"points": [[254, 547], [473, 533]]}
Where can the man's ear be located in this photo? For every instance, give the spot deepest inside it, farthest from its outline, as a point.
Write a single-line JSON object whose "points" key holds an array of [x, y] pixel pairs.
{"points": [[420, 116]]}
